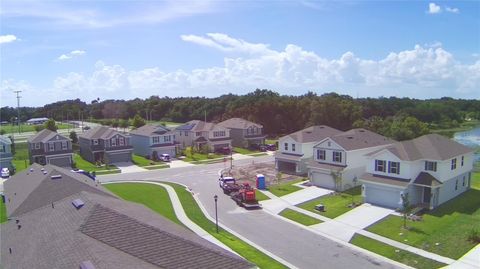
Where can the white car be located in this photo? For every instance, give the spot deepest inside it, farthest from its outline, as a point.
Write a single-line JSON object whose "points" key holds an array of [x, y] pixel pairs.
{"points": [[165, 157], [5, 172]]}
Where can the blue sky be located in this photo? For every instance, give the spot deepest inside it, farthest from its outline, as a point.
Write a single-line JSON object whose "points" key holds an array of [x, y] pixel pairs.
{"points": [[56, 50]]}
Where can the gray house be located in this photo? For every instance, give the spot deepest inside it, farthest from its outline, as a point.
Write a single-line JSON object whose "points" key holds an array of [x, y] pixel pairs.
{"points": [[198, 133], [243, 132], [6, 153], [432, 169], [103, 144], [62, 219], [150, 140], [48, 147]]}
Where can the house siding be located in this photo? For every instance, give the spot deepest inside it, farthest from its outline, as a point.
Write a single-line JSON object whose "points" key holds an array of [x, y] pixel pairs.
{"points": [[238, 139], [447, 190]]}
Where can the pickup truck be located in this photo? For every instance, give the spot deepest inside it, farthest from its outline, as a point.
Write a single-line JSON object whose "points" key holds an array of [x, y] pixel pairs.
{"points": [[228, 184]]}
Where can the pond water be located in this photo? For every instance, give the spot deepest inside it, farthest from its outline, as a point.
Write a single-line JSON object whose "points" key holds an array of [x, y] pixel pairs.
{"points": [[471, 139]]}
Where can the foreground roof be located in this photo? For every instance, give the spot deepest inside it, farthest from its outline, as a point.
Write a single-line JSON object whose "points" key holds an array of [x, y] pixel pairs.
{"points": [[43, 136], [238, 123], [99, 132], [360, 138], [313, 134]]}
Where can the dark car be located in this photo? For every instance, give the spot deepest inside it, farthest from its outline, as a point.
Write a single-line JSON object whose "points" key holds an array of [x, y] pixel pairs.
{"points": [[271, 147], [223, 150]]}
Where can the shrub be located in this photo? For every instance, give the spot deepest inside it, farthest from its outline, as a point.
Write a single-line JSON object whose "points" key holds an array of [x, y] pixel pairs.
{"points": [[474, 236]]}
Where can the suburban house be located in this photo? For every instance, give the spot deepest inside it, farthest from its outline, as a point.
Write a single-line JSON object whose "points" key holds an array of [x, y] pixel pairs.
{"points": [[6, 153], [103, 144], [243, 132], [432, 169], [48, 147], [61, 219], [35, 121], [150, 140], [198, 134], [339, 160], [296, 150]]}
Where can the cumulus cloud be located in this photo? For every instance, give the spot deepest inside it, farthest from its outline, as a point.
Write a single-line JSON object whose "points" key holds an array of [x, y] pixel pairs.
{"points": [[7, 38], [452, 10], [70, 55], [434, 8]]}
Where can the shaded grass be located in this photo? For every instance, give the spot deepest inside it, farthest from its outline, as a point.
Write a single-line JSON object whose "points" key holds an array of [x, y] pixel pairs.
{"points": [[195, 214], [260, 196], [448, 225], [3, 212], [142, 161], [201, 156], [150, 195], [284, 188], [244, 151], [88, 166], [398, 255], [335, 205], [299, 217]]}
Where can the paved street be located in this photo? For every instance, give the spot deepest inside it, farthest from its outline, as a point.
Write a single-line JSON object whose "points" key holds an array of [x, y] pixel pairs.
{"points": [[298, 246]]}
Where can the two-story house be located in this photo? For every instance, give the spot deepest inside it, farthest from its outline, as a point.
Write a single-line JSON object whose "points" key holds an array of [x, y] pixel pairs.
{"points": [[6, 153], [339, 160], [103, 144], [151, 140], [198, 133], [296, 150], [243, 132], [48, 147], [432, 169]]}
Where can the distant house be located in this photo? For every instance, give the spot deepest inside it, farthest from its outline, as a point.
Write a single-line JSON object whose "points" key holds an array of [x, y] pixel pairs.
{"points": [[149, 140], [47, 147], [103, 144], [198, 133], [6, 153], [243, 132], [432, 169], [35, 121], [62, 219], [296, 150], [339, 160]]}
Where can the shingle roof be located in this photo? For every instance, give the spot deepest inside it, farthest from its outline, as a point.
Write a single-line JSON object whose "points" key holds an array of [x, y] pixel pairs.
{"points": [[43, 136], [326, 166], [385, 180], [99, 132], [313, 134], [238, 123], [198, 126], [426, 179], [150, 130], [289, 157], [5, 140], [360, 138], [430, 147]]}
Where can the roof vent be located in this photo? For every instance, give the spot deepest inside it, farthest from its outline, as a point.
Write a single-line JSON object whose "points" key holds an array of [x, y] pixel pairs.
{"points": [[361, 131], [78, 203], [56, 176], [43, 169], [350, 137], [31, 169], [45, 172], [87, 265], [308, 132]]}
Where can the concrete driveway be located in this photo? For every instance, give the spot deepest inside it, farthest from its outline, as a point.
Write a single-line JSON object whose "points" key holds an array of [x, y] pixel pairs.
{"points": [[276, 204], [129, 167]]}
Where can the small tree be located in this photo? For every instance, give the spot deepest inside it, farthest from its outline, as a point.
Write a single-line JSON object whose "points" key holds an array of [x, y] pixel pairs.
{"points": [[407, 208], [138, 121], [337, 177], [2, 131], [38, 128], [189, 152], [115, 123], [73, 137], [123, 124], [51, 125], [279, 177]]}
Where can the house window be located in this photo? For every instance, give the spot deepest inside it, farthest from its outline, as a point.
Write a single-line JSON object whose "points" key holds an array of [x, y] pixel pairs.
{"points": [[430, 166], [95, 141], [321, 154], [218, 133], [380, 165], [114, 142], [51, 146], [456, 184], [121, 141], [198, 133], [394, 167], [286, 146], [156, 139], [37, 145], [463, 157], [293, 147], [167, 138], [64, 145], [454, 164], [337, 156]]}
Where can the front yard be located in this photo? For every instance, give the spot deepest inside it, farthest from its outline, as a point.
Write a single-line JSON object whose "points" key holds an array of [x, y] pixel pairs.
{"points": [[196, 157], [244, 151], [335, 204], [20, 158], [85, 165], [148, 164], [284, 188]]}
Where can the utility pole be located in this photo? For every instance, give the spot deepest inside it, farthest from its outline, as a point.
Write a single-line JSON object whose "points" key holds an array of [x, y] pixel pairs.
{"points": [[18, 108]]}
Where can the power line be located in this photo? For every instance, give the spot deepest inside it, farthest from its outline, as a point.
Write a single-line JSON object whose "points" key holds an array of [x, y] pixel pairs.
{"points": [[18, 109]]}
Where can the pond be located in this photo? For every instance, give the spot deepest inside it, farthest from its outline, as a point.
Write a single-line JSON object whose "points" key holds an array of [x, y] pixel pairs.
{"points": [[471, 139]]}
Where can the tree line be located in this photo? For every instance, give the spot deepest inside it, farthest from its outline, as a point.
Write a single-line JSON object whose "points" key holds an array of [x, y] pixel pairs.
{"points": [[399, 118]]}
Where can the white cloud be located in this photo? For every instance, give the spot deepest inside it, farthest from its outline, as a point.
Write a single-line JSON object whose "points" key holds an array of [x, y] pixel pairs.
{"points": [[225, 43], [452, 10], [434, 8], [71, 54], [7, 38]]}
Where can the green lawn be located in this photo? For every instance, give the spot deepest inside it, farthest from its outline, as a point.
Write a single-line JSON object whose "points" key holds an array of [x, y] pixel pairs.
{"points": [[194, 212], [398, 255], [284, 188], [271, 141], [88, 166], [142, 161], [244, 151], [152, 196], [3, 212], [29, 128], [476, 180], [443, 231], [201, 157], [260, 196], [299, 217], [20, 158], [335, 205]]}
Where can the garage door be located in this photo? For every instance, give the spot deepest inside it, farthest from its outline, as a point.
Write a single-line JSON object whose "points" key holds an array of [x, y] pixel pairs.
{"points": [[168, 151], [61, 162], [286, 167], [220, 146], [386, 197], [323, 180], [119, 157]]}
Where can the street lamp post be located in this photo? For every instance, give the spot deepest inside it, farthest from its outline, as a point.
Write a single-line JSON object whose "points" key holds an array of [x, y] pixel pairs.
{"points": [[216, 212]]}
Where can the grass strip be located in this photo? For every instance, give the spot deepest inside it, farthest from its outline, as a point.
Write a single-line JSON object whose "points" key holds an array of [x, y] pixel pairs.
{"points": [[299, 217]]}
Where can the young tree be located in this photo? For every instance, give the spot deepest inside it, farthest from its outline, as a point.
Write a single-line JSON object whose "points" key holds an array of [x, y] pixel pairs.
{"points": [[51, 125], [337, 177], [138, 121], [123, 124], [115, 123], [38, 128], [407, 208], [73, 137], [2, 132]]}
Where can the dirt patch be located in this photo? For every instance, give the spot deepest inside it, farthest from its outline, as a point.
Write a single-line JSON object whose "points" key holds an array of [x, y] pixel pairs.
{"points": [[249, 172]]}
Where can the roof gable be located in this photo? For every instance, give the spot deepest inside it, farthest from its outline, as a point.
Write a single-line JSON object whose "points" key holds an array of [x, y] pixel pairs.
{"points": [[239, 123], [314, 134], [44, 136], [325, 144]]}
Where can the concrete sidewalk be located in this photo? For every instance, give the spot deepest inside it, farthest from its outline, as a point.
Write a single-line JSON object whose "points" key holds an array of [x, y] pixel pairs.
{"points": [[276, 204], [129, 167], [471, 260], [180, 163]]}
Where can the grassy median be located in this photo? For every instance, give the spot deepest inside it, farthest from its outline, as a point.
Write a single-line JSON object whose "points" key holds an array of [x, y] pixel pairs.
{"points": [[299, 217]]}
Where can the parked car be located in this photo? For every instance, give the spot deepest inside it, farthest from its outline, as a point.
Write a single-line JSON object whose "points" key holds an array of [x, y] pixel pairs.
{"points": [[223, 150], [271, 147], [5, 172], [165, 157]]}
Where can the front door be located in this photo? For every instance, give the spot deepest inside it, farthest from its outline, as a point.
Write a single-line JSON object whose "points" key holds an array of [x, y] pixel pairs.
{"points": [[427, 193]]}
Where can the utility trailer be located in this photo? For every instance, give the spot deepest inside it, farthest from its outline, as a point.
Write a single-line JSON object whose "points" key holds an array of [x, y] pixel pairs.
{"points": [[245, 197]]}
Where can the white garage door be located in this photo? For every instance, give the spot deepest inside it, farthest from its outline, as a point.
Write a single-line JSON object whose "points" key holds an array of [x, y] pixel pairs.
{"points": [[323, 180], [386, 197]]}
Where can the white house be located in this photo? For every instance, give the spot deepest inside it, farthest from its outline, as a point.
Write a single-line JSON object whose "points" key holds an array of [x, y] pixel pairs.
{"points": [[432, 169], [296, 149], [342, 156]]}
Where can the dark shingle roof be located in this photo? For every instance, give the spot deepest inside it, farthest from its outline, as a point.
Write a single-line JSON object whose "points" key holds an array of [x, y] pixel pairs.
{"points": [[314, 134], [238, 123], [99, 132], [360, 138], [385, 180], [198, 126], [426, 179], [43, 136], [150, 130]]}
